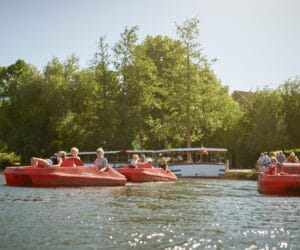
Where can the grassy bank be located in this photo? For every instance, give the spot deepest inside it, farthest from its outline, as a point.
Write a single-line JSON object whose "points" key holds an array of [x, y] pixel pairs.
{"points": [[241, 174]]}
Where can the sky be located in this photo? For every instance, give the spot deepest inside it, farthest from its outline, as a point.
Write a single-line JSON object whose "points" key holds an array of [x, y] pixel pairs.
{"points": [[256, 42]]}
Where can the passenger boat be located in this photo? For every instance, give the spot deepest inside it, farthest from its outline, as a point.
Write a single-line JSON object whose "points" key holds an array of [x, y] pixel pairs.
{"points": [[196, 162], [68, 174], [116, 158], [144, 172], [287, 183], [183, 162]]}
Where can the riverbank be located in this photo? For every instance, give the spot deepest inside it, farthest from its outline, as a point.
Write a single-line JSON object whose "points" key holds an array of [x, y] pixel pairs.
{"points": [[241, 174]]}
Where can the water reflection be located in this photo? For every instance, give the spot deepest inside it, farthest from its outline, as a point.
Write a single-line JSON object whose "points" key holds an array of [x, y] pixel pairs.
{"points": [[189, 214]]}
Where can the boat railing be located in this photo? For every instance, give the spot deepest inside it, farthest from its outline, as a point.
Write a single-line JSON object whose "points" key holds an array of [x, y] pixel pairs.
{"points": [[175, 156]]}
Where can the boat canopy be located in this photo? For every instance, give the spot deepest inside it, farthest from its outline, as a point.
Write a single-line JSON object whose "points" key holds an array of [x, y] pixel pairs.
{"points": [[209, 150]]}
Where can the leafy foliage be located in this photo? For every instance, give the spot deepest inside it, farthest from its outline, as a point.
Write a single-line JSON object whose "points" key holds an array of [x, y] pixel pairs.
{"points": [[160, 92], [8, 159]]}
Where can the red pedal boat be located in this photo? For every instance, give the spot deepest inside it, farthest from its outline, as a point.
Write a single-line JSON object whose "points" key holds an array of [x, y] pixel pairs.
{"points": [[283, 184], [72, 173], [145, 173]]}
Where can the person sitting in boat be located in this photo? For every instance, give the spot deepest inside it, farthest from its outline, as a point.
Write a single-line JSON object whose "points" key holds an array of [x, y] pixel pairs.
{"points": [[41, 162], [259, 162], [263, 162], [74, 152], [58, 159], [273, 168], [134, 161], [143, 159], [163, 163], [266, 160], [46, 162], [100, 161], [281, 158], [292, 158]]}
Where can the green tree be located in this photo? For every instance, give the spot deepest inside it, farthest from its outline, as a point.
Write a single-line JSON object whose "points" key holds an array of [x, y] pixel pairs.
{"points": [[260, 128], [290, 93], [124, 47], [164, 58], [198, 104], [23, 119], [60, 81], [141, 84], [104, 96], [123, 53], [188, 34]]}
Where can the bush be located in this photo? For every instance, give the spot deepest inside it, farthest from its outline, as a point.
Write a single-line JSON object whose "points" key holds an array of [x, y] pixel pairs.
{"points": [[8, 159]]}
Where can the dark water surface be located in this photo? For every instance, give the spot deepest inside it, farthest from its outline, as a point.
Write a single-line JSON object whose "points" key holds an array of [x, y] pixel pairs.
{"points": [[189, 214]]}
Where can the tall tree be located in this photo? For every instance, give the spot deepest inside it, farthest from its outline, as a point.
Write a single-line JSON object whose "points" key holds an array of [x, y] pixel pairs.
{"points": [[23, 118], [140, 96], [290, 93], [60, 79], [260, 128], [104, 96], [165, 55], [124, 47], [188, 34], [123, 53], [200, 105]]}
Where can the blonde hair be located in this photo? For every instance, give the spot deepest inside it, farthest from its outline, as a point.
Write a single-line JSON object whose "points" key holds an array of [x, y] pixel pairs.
{"points": [[135, 156], [62, 154], [273, 160], [100, 150], [74, 149], [164, 159]]}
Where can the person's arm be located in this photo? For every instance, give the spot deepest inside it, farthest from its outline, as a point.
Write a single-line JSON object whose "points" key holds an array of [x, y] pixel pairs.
{"points": [[96, 163], [105, 162], [59, 162]]}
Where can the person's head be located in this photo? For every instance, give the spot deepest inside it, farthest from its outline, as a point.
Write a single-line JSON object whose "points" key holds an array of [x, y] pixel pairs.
{"points": [[143, 158], [292, 154], [273, 160], [74, 151], [135, 157], [62, 154], [100, 152], [163, 160]]}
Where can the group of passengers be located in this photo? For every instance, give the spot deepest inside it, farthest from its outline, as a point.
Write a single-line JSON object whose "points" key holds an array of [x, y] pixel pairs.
{"points": [[273, 162], [163, 162], [100, 162], [54, 161]]}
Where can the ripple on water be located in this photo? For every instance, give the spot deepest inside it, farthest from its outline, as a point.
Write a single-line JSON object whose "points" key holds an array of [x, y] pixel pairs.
{"points": [[189, 214]]}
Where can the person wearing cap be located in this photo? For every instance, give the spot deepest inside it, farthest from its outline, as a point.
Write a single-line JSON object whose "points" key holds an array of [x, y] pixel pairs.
{"points": [[100, 161]]}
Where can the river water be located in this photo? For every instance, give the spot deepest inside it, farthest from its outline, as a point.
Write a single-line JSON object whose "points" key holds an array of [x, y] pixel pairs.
{"points": [[189, 214]]}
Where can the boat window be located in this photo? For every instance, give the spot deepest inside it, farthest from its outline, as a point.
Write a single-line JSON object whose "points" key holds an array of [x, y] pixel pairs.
{"points": [[88, 158]]}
